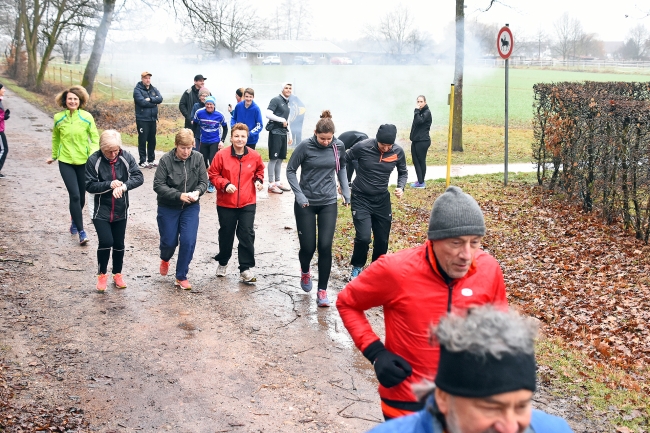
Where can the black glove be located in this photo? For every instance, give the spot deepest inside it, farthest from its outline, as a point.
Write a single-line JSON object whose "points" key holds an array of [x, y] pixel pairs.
{"points": [[7, 112], [391, 369]]}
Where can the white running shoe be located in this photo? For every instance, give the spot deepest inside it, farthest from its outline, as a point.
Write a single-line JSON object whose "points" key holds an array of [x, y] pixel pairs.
{"points": [[221, 270], [247, 276]]}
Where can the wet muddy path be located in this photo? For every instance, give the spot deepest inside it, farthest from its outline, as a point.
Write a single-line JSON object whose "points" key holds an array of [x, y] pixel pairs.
{"points": [[223, 357]]}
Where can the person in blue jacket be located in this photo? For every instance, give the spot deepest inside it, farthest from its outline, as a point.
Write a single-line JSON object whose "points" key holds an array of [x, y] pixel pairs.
{"points": [[248, 112], [214, 128], [485, 380]]}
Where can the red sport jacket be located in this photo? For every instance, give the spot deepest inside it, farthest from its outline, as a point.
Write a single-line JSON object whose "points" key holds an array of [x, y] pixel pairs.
{"points": [[414, 296], [226, 168]]}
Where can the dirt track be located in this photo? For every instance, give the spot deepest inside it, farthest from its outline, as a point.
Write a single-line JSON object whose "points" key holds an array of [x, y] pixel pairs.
{"points": [[223, 357]]}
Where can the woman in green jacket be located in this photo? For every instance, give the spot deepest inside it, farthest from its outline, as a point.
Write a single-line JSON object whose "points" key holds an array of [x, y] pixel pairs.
{"points": [[74, 139]]}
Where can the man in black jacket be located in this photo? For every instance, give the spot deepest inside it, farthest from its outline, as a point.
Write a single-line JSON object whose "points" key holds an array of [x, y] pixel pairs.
{"points": [[349, 139], [146, 98], [371, 208], [189, 98]]}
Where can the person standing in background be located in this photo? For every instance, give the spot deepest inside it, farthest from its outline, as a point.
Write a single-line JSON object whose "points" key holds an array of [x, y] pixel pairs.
{"points": [[349, 139], [420, 140], [74, 139], [279, 137], [189, 98], [239, 95], [146, 98], [248, 113], [214, 130], [203, 94], [296, 117], [4, 115]]}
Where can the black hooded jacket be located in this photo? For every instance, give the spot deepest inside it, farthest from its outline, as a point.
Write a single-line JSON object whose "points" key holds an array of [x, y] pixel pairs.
{"points": [[100, 172], [421, 124]]}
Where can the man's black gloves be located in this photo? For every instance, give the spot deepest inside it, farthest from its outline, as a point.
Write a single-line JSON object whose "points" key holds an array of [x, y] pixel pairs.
{"points": [[7, 112], [391, 369]]}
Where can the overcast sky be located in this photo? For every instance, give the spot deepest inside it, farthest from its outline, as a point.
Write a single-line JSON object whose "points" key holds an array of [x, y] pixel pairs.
{"points": [[345, 19]]}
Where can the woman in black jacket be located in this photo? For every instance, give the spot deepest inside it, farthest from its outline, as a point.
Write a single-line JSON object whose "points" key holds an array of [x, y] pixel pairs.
{"points": [[110, 174], [420, 140]]}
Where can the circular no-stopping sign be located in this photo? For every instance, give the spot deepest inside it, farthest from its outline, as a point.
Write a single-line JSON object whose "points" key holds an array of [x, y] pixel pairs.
{"points": [[505, 42]]}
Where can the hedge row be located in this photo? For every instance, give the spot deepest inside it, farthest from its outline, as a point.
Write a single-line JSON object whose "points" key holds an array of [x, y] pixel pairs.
{"points": [[592, 140]]}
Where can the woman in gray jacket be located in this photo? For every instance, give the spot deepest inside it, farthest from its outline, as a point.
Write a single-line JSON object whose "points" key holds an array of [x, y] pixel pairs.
{"points": [[321, 159], [180, 180]]}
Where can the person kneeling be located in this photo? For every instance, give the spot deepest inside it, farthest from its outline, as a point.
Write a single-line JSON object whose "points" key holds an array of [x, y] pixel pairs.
{"points": [[485, 380], [237, 172]]}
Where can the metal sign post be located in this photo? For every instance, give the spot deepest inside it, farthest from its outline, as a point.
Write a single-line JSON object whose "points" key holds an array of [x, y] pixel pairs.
{"points": [[505, 46]]}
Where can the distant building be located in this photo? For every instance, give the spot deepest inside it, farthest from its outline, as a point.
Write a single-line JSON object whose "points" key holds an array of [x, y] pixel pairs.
{"points": [[290, 52]]}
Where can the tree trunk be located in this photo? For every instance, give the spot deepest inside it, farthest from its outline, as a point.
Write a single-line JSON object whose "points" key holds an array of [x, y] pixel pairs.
{"points": [[80, 46], [17, 44], [98, 46], [457, 127], [31, 39]]}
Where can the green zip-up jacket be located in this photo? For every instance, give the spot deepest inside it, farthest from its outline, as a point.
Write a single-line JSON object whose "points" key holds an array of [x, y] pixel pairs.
{"points": [[74, 137]]}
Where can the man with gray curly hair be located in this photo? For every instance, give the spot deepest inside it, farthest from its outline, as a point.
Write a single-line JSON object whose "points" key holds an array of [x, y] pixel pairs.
{"points": [[485, 380], [416, 287]]}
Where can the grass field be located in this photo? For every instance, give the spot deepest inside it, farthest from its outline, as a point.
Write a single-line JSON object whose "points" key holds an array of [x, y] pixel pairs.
{"points": [[363, 97]]}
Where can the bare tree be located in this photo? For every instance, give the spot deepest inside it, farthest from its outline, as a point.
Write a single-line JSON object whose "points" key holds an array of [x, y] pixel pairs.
{"points": [[11, 25], [292, 20], [485, 36], [637, 45], [88, 80], [397, 33], [223, 25], [459, 64]]}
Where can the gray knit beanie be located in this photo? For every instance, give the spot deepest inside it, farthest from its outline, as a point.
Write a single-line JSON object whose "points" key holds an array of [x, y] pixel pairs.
{"points": [[455, 214]]}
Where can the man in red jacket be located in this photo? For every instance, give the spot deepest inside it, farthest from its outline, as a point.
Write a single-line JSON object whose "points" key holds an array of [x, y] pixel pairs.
{"points": [[416, 287], [237, 172]]}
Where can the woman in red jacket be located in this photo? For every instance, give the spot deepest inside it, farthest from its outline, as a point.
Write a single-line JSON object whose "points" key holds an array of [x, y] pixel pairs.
{"points": [[237, 172]]}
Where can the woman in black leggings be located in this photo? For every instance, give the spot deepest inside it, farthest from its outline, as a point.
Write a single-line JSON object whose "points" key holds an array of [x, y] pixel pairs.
{"points": [[110, 174], [321, 160], [420, 140], [74, 139]]}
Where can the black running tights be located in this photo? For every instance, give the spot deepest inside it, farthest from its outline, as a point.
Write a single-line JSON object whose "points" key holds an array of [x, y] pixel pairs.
{"points": [[110, 236], [307, 218], [74, 178]]}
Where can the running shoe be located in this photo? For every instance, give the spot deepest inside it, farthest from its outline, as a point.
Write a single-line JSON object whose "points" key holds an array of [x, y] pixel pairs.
{"points": [[275, 189], [143, 165], [282, 187], [164, 267], [185, 285], [73, 228], [356, 270], [118, 281], [247, 276], [221, 270], [101, 282], [1, 175], [321, 298], [418, 185], [83, 238], [305, 281], [153, 164], [211, 188]]}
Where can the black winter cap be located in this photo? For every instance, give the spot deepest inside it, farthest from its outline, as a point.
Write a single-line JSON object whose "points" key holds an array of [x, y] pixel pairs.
{"points": [[386, 134]]}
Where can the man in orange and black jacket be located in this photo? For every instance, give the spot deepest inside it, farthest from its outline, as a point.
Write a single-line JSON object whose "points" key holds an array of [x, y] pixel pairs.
{"points": [[372, 215], [416, 287]]}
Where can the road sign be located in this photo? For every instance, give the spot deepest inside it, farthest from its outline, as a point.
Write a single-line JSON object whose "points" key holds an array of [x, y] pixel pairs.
{"points": [[505, 42]]}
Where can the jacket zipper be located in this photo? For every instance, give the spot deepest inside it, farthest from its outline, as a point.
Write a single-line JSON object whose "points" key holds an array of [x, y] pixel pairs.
{"points": [[451, 289], [112, 196], [238, 183], [185, 170]]}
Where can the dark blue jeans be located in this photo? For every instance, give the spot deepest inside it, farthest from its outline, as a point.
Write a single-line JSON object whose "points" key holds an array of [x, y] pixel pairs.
{"points": [[178, 226]]}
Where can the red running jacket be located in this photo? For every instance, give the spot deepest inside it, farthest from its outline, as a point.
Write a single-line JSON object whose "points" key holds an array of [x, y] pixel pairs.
{"points": [[414, 296], [226, 168]]}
